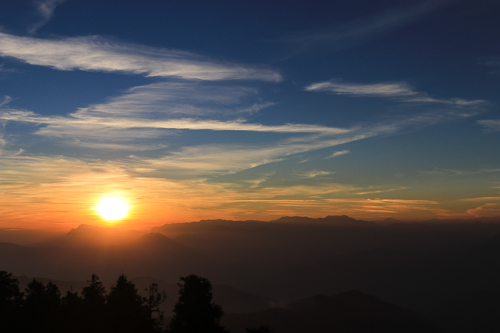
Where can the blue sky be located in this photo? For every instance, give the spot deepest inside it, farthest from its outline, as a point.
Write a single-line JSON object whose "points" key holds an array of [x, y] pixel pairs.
{"points": [[208, 109]]}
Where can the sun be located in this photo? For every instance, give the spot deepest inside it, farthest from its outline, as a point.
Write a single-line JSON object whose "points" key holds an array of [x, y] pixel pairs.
{"points": [[112, 208]]}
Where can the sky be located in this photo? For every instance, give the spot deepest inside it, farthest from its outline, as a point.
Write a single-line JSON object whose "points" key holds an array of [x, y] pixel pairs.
{"points": [[242, 110]]}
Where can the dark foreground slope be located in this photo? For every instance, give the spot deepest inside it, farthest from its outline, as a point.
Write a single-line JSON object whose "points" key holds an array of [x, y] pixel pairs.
{"points": [[351, 312]]}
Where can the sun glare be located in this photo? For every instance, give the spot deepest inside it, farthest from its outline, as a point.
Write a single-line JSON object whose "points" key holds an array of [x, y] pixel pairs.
{"points": [[112, 208]]}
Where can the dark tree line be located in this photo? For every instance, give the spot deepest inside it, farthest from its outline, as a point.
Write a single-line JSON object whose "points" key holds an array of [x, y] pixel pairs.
{"points": [[41, 308]]}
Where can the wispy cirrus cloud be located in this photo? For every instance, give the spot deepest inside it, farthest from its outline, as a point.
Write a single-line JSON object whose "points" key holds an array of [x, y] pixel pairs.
{"points": [[181, 99], [387, 207], [160, 117], [482, 199], [205, 159], [85, 122], [46, 10], [338, 153], [98, 54], [486, 210], [355, 32], [493, 62], [450, 172], [6, 100], [225, 158], [491, 125], [317, 173], [397, 90], [60, 189]]}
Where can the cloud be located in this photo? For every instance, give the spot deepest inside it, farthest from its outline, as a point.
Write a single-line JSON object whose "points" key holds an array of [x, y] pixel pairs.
{"points": [[486, 210], [59, 189], [493, 62], [339, 153], [211, 158], [491, 125], [317, 173], [450, 172], [386, 207], [355, 32], [178, 99], [399, 90], [482, 199], [64, 125], [6, 100], [374, 90], [98, 54], [46, 10], [160, 118]]}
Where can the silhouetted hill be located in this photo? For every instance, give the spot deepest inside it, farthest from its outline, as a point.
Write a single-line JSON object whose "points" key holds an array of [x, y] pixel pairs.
{"points": [[477, 312], [351, 312], [153, 255], [414, 279], [90, 235], [211, 226], [157, 241], [389, 220], [28, 236], [329, 220]]}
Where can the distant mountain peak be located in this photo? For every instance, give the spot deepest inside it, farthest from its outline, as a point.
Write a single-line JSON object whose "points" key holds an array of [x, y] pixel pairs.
{"points": [[155, 238], [330, 220], [92, 235]]}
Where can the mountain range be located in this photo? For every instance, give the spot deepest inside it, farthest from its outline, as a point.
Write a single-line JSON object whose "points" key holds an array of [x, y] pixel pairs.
{"points": [[255, 265]]}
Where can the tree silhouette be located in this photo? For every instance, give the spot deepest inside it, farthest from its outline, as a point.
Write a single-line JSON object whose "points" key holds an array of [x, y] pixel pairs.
{"points": [[41, 307], [93, 302], [194, 311], [10, 302], [71, 313], [153, 302], [94, 293], [43, 310], [125, 310], [9, 289]]}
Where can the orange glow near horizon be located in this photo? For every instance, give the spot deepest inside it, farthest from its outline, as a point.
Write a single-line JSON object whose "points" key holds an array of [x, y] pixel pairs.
{"points": [[112, 208]]}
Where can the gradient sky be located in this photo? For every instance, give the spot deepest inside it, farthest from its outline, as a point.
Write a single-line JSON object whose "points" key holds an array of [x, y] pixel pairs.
{"points": [[248, 109]]}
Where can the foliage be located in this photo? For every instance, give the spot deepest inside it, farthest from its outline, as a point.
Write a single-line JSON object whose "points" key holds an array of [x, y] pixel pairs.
{"points": [[153, 302], [42, 309], [195, 312], [94, 293], [9, 289]]}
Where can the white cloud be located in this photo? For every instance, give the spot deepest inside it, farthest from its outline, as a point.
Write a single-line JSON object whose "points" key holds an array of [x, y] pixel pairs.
{"points": [[376, 90], [450, 172], [492, 62], [339, 153], [205, 159], [399, 90], [6, 100], [491, 125], [317, 173], [46, 10], [354, 32], [64, 125], [174, 99], [158, 117], [97, 54]]}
